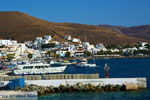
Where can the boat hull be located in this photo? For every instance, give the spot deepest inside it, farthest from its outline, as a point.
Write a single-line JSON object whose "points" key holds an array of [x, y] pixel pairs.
{"points": [[50, 70], [86, 65]]}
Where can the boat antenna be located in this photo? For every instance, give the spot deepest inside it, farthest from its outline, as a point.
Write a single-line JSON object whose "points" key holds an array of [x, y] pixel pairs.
{"points": [[93, 57]]}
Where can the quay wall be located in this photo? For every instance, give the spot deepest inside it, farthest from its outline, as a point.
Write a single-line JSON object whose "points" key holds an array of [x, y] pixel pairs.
{"points": [[131, 83], [52, 77]]}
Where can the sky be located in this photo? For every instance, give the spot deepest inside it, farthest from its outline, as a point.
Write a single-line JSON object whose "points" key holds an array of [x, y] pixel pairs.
{"points": [[93, 12]]}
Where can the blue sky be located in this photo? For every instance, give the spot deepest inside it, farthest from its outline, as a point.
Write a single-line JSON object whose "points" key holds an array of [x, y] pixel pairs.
{"points": [[113, 12]]}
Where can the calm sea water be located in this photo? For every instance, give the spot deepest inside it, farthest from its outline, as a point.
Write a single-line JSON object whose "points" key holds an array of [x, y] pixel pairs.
{"points": [[119, 68], [134, 95]]}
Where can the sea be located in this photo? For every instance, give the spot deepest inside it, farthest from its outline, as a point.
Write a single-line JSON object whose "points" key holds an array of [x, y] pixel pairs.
{"points": [[119, 68]]}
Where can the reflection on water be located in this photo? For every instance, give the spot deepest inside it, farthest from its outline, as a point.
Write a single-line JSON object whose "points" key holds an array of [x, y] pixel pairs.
{"points": [[19, 98], [132, 95]]}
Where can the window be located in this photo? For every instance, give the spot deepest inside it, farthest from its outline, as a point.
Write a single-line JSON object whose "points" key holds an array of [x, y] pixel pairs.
{"points": [[27, 67], [40, 67]]}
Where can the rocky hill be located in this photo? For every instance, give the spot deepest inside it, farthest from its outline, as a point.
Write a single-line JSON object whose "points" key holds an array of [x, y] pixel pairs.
{"points": [[23, 27], [135, 31]]}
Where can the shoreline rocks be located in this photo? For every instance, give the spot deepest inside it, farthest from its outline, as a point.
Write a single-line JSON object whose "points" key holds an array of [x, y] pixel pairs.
{"points": [[79, 87]]}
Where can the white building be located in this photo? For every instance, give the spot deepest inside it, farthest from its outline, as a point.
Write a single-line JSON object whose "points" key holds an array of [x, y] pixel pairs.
{"points": [[79, 53], [91, 48], [143, 44], [76, 40], [142, 48], [45, 40], [7, 42], [28, 43], [130, 49], [114, 50], [38, 39], [68, 37], [71, 48], [100, 47], [48, 37], [85, 44], [61, 53]]}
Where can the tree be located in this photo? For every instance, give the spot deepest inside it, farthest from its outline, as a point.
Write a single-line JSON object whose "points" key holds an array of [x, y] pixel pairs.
{"points": [[57, 56], [30, 55], [67, 55], [49, 53], [49, 45], [2, 46], [145, 52], [120, 52], [87, 53], [101, 52], [111, 46], [108, 52], [10, 56], [147, 46]]}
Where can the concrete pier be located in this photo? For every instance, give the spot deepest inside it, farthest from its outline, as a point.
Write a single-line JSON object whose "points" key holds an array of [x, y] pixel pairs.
{"points": [[131, 83]]}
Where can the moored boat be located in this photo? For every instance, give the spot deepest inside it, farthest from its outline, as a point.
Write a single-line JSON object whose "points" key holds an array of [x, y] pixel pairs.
{"points": [[84, 63], [38, 68], [60, 62]]}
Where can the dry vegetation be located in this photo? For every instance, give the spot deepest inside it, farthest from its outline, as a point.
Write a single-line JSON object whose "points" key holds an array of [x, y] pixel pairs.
{"points": [[22, 27]]}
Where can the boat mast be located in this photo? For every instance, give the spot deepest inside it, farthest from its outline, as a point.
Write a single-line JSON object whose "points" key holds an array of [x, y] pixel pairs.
{"points": [[86, 46]]}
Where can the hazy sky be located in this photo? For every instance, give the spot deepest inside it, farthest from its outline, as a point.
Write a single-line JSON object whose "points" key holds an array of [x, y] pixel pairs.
{"points": [[113, 12]]}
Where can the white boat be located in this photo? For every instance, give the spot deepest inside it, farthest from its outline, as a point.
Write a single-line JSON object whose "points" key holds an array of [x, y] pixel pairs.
{"points": [[84, 63], [74, 62], [60, 62], [38, 68]]}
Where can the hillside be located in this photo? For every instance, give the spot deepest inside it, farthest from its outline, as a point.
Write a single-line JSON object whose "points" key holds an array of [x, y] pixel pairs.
{"points": [[135, 31], [138, 31], [23, 27]]}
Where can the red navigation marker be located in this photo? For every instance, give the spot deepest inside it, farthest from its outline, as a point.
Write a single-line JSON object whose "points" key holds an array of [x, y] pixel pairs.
{"points": [[106, 68]]}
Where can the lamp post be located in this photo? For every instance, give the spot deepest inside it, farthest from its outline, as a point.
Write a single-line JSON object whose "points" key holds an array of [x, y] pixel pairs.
{"points": [[106, 68]]}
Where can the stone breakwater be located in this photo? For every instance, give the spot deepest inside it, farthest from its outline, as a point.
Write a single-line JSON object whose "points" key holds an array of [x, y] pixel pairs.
{"points": [[79, 87]]}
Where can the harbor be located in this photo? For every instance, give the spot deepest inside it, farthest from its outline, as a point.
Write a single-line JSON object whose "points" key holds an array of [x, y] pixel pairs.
{"points": [[46, 86], [83, 77], [35, 88]]}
